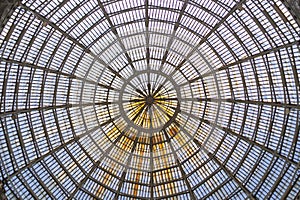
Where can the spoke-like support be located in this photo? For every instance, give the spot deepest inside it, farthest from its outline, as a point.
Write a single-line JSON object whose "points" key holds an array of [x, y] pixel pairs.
{"points": [[183, 173], [204, 39], [114, 30], [226, 170], [53, 151], [246, 139], [83, 181], [172, 36], [243, 60], [87, 50], [122, 180]]}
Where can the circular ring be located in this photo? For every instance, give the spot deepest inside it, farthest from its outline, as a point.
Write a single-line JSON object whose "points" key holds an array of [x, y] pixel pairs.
{"points": [[159, 94]]}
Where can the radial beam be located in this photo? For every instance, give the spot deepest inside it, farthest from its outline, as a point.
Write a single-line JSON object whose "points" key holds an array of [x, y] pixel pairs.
{"points": [[246, 139], [30, 65], [172, 36], [87, 50], [183, 174], [262, 53], [54, 26], [14, 113], [271, 151], [122, 180], [204, 39], [57, 182], [151, 168], [83, 181], [241, 101], [42, 183], [96, 164], [296, 179], [27, 186], [240, 61], [221, 165], [147, 33], [57, 72], [31, 163], [225, 169], [114, 30]]}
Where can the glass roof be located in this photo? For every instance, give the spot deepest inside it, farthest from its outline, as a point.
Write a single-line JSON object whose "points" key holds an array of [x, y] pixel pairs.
{"points": [[150, 99]]}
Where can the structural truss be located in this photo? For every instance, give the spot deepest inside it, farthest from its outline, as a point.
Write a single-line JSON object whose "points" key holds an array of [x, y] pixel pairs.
{"points": [[152, 99]]}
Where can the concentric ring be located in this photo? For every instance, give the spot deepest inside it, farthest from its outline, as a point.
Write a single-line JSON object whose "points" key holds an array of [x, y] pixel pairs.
{"points": [[160, 112], [130, 99]]}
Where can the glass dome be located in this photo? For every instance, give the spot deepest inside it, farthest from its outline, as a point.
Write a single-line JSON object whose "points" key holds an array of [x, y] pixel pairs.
{"points": [[129, 99]]}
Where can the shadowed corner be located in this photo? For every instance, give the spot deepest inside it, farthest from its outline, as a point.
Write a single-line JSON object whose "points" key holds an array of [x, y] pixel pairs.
{"points": [[6, 9], [2, 191]]}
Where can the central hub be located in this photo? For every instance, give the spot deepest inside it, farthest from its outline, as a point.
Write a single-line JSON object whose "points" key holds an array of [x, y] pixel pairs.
{"points": [[149, 100]]}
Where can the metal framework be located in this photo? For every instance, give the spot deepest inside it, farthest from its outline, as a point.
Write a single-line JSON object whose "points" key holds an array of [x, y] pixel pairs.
{"points": [[129, 99]]}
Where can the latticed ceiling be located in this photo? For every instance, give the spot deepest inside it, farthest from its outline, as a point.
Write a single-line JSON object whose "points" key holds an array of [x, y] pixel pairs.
{"points": [[150, 100]]}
